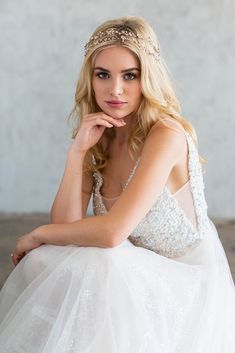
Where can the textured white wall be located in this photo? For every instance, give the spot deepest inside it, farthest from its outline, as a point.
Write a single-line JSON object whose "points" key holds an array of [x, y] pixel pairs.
{"points": [[41, 44]]}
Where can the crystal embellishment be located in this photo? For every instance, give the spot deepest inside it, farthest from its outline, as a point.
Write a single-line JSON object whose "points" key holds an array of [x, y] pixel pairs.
{"points": [[113, 35], [165, 229]]}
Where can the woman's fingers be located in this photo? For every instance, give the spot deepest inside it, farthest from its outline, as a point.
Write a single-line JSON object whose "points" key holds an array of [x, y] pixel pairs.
{"points": [[103, 119], [99, 122], [16, 258], [92, 128]]}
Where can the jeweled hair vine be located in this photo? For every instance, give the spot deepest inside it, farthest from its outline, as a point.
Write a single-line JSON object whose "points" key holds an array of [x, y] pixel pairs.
{"points": [[121, 35]]}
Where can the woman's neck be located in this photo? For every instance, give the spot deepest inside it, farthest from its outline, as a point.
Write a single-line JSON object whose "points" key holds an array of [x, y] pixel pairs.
{"points": [[121, 134]]}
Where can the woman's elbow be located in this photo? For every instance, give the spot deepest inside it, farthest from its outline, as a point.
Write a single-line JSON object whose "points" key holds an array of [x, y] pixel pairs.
{"points": [[115, 235], [113, 242]]}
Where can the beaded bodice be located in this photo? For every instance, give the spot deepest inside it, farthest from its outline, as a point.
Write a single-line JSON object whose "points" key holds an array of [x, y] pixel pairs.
{"points": [[166, 229]]}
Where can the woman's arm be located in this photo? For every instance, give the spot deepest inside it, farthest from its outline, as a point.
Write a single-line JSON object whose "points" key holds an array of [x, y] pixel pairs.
{"points": [[162, 151], [90, 231], [67, 206], [70, 203]]}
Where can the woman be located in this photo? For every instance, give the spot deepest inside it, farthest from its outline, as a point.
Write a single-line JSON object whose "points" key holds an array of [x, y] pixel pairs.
{"points": [[147, 273]]}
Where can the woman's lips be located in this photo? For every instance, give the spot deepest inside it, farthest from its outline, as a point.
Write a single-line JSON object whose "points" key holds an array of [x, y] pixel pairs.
{"points": [[115, 104]]}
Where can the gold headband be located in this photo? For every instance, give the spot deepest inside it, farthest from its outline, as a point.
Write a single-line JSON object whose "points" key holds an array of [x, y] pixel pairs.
{"points": [[121, 35]]}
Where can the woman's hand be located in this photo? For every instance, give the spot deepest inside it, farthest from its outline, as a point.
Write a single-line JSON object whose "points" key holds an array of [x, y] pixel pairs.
{"points": [[24, 244], [92, 128]]}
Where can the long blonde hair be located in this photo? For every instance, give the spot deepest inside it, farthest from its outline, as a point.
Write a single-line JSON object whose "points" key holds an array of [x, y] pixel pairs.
{"points": [[158, 93]]}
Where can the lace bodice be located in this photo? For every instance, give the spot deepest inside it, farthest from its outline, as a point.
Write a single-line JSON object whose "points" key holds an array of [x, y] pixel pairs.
{"points": [[166, 229]]}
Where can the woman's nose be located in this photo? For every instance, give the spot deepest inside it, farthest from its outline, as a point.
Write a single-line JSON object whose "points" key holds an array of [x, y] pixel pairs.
{"points": [[116, 88]]}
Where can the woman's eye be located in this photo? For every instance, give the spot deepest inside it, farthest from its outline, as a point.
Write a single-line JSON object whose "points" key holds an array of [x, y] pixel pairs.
{"points": [[105, 75], [102, 75], [129, 76]]}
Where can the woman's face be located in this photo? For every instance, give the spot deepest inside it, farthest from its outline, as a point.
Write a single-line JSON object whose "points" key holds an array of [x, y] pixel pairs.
{"points": [[116, 82]]}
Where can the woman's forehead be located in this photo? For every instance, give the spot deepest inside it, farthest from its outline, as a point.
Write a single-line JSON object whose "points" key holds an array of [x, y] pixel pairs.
{"points": [[117, 56]]}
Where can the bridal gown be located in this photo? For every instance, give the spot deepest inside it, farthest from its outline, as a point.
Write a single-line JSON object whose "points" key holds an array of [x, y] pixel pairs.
{"points": [[166, 289]]}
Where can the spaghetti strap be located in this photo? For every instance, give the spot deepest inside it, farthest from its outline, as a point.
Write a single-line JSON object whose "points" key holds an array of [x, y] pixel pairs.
{"points": [[132, 173]]}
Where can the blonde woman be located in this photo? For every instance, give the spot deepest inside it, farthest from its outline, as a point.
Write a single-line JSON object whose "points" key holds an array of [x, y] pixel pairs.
{"points": [[147, 273]]}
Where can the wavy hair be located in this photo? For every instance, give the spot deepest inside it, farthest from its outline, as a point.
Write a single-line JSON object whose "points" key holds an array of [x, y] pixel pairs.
{"points": [[158, 93]]}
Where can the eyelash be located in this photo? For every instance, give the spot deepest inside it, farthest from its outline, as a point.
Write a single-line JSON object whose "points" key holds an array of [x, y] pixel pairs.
{"points": [[127, 74]]}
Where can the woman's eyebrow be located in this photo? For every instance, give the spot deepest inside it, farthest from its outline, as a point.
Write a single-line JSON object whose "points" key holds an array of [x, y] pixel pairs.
{"points": [[126, 70]]}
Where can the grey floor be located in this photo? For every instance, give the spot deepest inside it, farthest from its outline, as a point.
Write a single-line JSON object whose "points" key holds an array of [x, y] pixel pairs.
{"points": [[13, 226]]}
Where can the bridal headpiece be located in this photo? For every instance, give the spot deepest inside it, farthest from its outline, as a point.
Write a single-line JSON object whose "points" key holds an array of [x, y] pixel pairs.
{"points": [[121, 35]]}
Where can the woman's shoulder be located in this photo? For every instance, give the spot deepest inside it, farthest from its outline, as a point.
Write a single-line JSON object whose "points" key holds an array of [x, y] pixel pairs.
{"points": [[167, 127], [167, 122], [168, 135]]}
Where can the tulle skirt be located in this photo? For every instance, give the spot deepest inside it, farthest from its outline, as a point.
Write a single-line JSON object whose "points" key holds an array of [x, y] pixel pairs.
{"points": [[127, 299]]}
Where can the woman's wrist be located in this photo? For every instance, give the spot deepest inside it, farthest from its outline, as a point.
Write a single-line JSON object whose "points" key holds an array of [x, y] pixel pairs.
{"points": [[74, 152], [44, 234], [75, 160], [38, 234], [50, 234]]}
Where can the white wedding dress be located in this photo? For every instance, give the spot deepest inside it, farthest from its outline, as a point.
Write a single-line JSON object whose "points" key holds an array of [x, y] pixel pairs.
{"points": [[166, 289]]}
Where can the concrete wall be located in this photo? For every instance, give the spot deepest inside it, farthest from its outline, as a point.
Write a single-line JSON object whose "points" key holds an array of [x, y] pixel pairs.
{"points": [[41, 44]]}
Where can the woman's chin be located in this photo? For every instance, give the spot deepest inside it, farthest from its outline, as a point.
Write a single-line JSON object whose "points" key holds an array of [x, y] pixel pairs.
{"points": [[115, 112], [117, 115]]}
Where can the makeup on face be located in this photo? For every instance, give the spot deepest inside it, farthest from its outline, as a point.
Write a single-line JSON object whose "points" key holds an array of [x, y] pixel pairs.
{"points": [[116, 82]]}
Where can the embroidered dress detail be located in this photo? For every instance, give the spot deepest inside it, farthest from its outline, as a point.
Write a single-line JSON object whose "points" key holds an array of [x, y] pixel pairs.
{"points": [[166, 229], [98, 205]]}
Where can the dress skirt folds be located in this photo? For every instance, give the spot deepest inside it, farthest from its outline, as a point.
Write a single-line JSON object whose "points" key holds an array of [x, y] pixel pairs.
{"points": [[71, 299]]}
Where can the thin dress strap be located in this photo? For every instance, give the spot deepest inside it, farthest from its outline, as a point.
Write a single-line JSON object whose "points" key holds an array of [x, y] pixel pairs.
{"points": [[132, 173]]}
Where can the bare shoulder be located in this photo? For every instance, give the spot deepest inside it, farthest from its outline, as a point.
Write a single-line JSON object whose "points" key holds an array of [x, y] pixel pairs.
{"points": [[168, 135], [167, 122]]}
